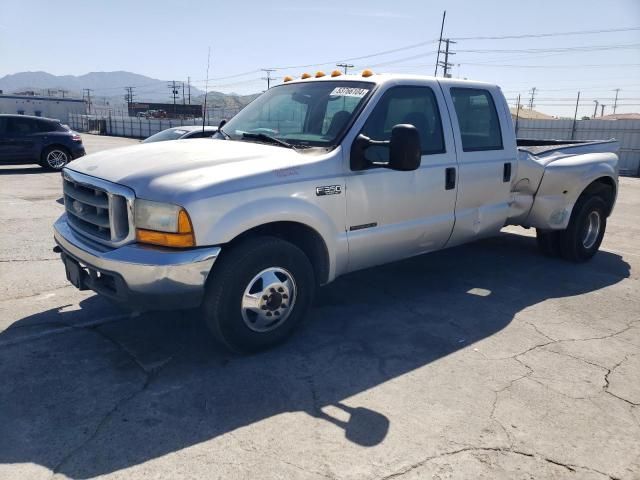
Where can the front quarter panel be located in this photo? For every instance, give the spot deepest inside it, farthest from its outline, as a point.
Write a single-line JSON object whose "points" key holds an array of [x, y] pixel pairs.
{"points": [[219, 219]]}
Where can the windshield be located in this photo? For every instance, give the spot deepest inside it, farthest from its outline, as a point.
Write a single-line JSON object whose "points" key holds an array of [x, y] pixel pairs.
{"points": [[301, 114], [168, 134]]}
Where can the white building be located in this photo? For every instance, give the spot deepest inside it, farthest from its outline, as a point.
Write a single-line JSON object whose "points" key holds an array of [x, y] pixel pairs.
{"points": [[51, 107]]}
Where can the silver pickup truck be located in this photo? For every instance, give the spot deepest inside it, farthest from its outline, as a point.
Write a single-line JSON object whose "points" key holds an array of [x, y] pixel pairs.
{"points": [[321, 176]]}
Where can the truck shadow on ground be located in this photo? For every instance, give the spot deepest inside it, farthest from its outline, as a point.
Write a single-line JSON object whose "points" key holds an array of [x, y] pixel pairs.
{"points": [[87, 400]]}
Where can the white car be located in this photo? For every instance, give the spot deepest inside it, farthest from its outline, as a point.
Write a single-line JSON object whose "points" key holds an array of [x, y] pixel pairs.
{"points": [[179, 133], [316, 178]]}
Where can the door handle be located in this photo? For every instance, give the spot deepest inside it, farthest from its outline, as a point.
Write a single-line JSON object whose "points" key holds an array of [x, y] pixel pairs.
{"points": [[506, 172], [450, 178]]}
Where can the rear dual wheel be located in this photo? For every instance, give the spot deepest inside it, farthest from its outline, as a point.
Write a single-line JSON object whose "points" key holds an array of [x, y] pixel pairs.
{"points": [[582, 237]]}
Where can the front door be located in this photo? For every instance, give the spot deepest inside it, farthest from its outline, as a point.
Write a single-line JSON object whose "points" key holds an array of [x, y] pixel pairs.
{"points": [[393, 214]]}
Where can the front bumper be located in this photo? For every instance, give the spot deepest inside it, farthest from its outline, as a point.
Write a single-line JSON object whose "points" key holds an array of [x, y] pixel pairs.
{"points": [[141, 277]]}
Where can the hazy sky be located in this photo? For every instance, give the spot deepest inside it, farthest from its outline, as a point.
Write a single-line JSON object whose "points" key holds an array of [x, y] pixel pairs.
{"points": [[169, 40]]}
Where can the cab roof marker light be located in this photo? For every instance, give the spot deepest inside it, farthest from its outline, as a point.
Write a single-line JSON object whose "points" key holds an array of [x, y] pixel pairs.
{"points": [[319, 74], [336, 73], [305, 75], [288, 78], [367, 73]]}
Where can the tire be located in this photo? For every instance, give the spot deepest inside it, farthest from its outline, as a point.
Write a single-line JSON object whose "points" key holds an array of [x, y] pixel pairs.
{"points": [[279, 283], [583, 236], [54, 158], [549, 242]]}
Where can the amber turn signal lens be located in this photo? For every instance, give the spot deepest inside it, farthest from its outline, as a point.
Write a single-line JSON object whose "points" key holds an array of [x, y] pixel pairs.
{"points": [[174, 240], [183, 239], [319, 74], [288, 78], [305, 75], [336, 73], [367, 73]]}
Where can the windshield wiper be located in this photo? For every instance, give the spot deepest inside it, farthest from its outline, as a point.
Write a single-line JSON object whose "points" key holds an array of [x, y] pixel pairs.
{"points": [[267, 138]]}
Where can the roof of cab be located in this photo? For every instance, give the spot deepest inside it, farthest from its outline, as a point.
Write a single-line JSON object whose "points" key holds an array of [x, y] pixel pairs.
{"points": [[381, 78]]}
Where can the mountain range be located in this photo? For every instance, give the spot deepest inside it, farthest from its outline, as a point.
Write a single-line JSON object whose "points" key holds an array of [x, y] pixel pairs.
{"points": [[110, 86]]}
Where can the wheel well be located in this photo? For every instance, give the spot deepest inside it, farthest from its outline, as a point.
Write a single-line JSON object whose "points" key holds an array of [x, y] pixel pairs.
{"points": [[304, 237], [54, 145], [604, 187]]}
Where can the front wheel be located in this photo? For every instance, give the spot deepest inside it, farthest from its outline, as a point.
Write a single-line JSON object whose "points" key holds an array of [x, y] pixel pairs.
{"points": [[259, 291]]}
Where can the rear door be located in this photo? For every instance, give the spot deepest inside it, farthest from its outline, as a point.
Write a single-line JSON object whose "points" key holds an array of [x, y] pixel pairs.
{"points": [[486, 160]]}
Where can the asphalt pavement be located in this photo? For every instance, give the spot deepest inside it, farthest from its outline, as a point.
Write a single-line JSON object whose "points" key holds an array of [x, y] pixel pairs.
{"points": [[483, 361]]}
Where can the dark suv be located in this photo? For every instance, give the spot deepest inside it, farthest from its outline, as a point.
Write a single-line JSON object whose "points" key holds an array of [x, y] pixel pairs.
{"points": [[25, 139]]}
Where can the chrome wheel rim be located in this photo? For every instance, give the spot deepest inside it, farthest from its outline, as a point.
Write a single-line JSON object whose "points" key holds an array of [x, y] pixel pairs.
{"points": [[268, 299], [57, 159], [591, 229]]}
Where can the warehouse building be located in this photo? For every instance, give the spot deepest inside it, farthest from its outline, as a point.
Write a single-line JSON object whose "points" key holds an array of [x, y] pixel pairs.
{"points": [[51, 107]]}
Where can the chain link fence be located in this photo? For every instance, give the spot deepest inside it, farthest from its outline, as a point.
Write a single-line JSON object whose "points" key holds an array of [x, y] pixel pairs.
{"points": [[141, 127]]}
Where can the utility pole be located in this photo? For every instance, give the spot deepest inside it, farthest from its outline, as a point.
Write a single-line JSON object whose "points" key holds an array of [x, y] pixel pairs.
{"points": [[435, 72], [446, 65], [595, 110], [183, 100], [346, 66], [602, 105], [575, 117], [532, 97], [615, 102], [268, 78], [88, 93], [189, 88], [174, 92], [517, 114], [63, 92]]}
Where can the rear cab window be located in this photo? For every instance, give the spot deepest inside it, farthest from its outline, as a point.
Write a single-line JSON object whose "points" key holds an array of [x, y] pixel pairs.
{"points": [[478, 119]]}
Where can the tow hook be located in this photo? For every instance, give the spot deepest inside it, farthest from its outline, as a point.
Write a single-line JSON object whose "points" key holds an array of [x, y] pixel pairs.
{"points": [[57, 249]]}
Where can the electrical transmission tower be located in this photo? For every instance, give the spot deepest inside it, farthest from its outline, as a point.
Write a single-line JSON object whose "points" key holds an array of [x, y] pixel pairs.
{"points": [[532, 98], [346, 66], [86, 92], [268, 78], [445, 63], [128, 97]]}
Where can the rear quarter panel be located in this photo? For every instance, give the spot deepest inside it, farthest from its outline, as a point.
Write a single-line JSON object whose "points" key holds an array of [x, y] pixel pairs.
{"points": [[562, 183]]}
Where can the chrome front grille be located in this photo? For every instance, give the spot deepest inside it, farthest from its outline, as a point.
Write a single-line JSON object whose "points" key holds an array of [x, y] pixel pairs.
{"points": [[100, 210]]}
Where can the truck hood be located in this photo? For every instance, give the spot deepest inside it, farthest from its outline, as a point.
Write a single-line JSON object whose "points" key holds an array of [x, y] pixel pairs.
{"points": [[173, 168]]}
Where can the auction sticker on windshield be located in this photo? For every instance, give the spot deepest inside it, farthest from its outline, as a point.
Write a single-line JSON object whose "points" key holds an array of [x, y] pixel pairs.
{"points": [[349, 92]]}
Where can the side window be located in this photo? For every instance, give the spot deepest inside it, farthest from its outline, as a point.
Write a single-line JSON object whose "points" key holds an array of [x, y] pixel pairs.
{"points": [[44, 127], [19, 126], [413, 105], [478, 119]]}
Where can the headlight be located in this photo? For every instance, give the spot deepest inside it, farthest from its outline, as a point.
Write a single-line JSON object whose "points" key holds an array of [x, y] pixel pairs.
{"points": [[162, 224]]}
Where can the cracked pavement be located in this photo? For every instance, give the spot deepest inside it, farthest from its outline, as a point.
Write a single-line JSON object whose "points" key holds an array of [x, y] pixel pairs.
{"points": [[483, 361]]}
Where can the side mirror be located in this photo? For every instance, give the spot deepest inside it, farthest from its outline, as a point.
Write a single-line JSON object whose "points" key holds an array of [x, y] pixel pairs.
{"points": [[404, 148]]}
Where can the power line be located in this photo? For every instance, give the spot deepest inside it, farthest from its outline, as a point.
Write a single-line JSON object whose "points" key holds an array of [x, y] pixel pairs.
{"points": [[553, 34]]}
